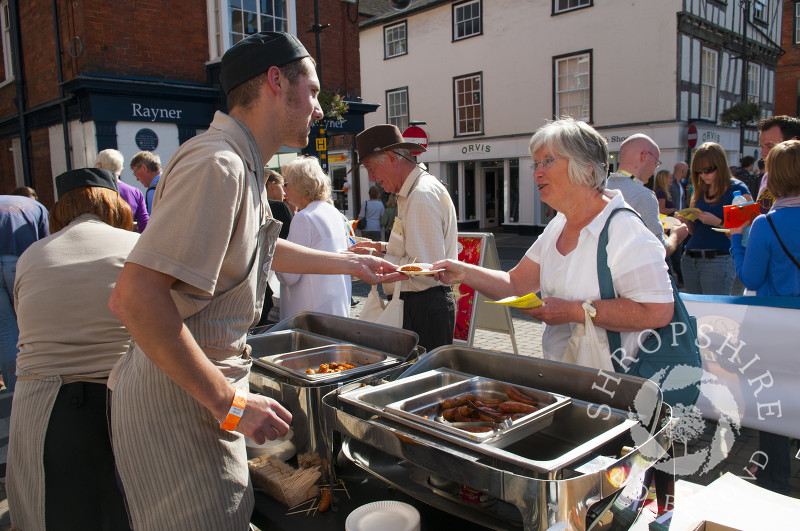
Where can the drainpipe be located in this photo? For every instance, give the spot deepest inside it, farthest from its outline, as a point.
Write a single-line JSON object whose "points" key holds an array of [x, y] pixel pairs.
{"points": [[63, 102], [19, 84]]}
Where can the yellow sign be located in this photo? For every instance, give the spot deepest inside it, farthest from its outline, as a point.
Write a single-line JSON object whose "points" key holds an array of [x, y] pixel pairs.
{"points": [[322, 144]]}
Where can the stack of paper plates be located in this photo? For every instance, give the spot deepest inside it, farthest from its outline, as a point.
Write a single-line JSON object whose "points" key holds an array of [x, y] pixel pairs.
{"points": [[383, 516]]}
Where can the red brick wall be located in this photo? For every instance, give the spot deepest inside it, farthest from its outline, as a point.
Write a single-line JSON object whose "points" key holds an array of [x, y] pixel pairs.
{"points": [[788, 71], [148, 38], [338, 43], [38, 51]]}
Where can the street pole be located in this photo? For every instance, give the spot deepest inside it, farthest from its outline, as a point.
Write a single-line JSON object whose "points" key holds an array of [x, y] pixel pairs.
{"points": [[745, 72]]}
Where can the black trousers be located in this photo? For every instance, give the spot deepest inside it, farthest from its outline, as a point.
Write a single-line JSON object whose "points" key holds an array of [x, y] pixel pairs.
{"points": [[431, 314], [81, 489]]}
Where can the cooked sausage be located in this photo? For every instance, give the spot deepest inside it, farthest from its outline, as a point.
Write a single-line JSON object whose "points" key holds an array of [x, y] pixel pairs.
{"points": [[449, 414], [456, 401], [516, 407], [518, 396], [484, 415]]}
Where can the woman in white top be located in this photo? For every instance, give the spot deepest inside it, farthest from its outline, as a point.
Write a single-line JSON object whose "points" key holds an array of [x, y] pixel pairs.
{"points": [[569, 162], [320, 226]]}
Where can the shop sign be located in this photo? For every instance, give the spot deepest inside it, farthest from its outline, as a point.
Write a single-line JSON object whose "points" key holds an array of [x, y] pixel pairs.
{"points": [[153, 113], [476, 149]]}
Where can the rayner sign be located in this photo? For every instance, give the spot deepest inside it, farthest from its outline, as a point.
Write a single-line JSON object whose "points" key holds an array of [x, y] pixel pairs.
{"points": [[154, 113]]}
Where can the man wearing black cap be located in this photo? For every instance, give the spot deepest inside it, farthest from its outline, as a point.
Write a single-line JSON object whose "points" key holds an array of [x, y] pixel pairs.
{"points": [[194, 285], [425, 230]]}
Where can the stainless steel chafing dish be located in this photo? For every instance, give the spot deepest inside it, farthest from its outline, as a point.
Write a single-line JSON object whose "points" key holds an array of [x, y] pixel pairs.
{"points": [[569, 471], [282, 353]]}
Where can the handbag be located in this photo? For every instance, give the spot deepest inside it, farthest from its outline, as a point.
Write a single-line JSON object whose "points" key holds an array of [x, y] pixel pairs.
{"points": [[378, 311], [362, 223], [669, 356], [585, 348]]}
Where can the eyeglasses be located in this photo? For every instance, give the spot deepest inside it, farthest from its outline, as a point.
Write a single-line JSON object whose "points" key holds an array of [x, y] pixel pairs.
{"points": [[658, 162], [710, 169], [546, 163]]}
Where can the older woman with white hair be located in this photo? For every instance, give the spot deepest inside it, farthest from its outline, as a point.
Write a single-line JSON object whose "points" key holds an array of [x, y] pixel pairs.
{"points": [[569, 167], [113, 161], [320, 226]]}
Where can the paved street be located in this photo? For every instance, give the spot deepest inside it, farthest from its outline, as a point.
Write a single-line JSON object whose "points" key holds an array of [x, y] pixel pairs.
{"points": [[511, 248]]}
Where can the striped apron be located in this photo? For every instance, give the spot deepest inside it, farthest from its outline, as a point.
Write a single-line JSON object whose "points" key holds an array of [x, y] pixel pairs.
{"points": [[180, 471], [34, 397]]}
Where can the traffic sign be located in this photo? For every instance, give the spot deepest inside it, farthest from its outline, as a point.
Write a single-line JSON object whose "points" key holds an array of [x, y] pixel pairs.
{"points": [[417, 135], [692, 136]]}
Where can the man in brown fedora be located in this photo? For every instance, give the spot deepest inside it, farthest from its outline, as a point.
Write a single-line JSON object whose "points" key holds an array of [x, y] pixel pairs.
{"points": [[425, 230]]}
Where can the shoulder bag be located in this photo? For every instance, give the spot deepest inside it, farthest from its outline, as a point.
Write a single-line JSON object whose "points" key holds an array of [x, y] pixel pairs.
{"points": [[669, 356], [362, 223], [785, 250]]}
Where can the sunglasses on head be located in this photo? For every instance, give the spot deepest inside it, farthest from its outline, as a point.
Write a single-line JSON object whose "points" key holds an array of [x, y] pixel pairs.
{"points": [[710, 169]]}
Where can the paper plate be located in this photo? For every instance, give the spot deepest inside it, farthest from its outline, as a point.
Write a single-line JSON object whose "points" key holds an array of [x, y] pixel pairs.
{"points": [[426, 269], [384, 516], [526, 301], [669, 222]]}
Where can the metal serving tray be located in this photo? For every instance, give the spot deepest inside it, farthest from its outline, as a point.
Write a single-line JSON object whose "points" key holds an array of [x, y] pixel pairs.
{"points": [[426, 409], [296, 363], [285, 341]]}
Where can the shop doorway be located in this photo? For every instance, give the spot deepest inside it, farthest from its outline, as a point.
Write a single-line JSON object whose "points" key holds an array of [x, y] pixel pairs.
{"points": [[490, 197]]}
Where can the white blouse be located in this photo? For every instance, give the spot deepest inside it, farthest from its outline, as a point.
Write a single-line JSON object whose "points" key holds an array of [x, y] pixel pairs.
{"points": [[319, 226], [635, 257]]}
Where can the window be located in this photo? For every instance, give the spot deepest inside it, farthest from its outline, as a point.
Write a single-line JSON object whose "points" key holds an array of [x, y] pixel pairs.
{"points": [[797, 23], [560, 6], [397, 108], [394, 40], [760, 10], [8, 57], [708, 84], [229, 21], [468, 104], [251, 16], [466, 19], [573, 86], [753, 82]]}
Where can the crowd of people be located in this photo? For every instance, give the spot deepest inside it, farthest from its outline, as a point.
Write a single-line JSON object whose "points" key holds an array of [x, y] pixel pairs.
{"points": [[133, 366]]}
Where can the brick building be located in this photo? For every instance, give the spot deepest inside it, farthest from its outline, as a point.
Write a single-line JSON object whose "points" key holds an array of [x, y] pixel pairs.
{"points": [[787, 96], [79, 77]]}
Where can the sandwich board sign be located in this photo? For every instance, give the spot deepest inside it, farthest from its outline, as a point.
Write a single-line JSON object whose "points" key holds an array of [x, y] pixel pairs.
{"points": [[472, 308]]}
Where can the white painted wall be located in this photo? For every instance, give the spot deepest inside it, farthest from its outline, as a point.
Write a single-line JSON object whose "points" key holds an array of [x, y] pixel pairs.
{"points": [[634, 78]]}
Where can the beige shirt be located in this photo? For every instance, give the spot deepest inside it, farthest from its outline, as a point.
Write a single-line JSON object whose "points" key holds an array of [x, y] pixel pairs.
{"points": [[206, 215], [425, 229], [61, 294]]}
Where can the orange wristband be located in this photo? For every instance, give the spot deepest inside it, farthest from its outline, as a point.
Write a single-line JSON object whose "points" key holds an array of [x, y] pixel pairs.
{"points": [[237, 409]]}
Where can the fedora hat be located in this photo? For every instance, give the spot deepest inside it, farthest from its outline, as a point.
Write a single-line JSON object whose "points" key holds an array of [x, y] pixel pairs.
{"points": [[380, 138]]}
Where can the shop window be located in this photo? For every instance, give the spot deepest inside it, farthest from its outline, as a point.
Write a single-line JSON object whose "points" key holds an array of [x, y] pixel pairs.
{"points": [[560, 6], [468, 104], [708, 84], [467, 20], [8, 57], [394, 40], [469, 191], [573, 86]]}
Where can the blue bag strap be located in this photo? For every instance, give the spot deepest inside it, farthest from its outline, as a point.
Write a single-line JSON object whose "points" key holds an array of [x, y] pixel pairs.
{"points": [[607, 284]]}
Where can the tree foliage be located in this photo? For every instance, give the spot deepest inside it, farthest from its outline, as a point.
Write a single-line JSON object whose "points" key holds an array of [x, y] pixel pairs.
{"points": [[742, 113]]}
